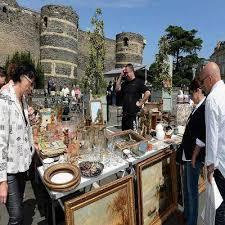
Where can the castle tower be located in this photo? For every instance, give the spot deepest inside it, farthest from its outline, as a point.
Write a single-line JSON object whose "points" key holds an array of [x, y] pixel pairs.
{"points": [[129, 48], [58, 44], [11, 3]]}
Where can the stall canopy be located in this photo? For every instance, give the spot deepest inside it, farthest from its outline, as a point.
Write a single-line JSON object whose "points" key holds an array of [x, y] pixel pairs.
{"points": [[139, 69]]}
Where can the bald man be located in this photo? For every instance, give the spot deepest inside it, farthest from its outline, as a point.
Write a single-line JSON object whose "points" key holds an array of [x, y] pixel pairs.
{"points": [[212, 84]]}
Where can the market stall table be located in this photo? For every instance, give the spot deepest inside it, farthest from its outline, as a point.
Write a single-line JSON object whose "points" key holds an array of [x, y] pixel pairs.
{"points": [[85, 182]]}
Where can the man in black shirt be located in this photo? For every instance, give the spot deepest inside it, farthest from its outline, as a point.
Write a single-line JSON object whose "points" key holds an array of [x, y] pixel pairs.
{"points": [[131, 89]]}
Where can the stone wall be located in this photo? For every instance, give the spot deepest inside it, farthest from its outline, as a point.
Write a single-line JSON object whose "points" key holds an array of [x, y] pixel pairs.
{"points": [[53, 37], [59, 25], [83, 53], [19, 31], [129, 48]]}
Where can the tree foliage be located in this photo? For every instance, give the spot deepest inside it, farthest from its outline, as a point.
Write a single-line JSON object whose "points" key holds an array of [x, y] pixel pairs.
{"points": [[19, 58], [94, 73], [159, 71], [183, 46]]}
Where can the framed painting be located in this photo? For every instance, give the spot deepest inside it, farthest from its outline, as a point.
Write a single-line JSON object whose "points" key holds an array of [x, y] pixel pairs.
{"points": [[96, 112], [156, 184], [110, 204]]}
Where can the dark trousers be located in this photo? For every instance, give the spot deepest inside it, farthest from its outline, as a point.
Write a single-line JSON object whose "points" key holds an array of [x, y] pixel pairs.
{"points": [[190, 190], [129, 122], [220, 212], [14, 204]]}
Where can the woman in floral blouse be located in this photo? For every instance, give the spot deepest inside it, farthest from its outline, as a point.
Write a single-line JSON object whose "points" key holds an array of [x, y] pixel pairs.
{"points": [[16, 142]]}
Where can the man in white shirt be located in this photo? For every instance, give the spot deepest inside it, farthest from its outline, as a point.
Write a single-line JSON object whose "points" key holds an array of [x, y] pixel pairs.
{"points": [[212, 84]]}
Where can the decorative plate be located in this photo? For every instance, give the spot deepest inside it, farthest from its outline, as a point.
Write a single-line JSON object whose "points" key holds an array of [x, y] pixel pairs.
{"points": [[91, 169]]}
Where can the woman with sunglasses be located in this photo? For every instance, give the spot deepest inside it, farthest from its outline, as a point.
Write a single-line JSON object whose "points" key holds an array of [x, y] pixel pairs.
{"points": [[16, 142]]}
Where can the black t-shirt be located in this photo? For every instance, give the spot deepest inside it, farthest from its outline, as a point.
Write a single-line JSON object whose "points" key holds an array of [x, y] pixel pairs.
{"points": [[131, 92]]}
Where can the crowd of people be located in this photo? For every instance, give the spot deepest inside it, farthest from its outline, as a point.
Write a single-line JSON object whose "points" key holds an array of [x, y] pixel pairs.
{"points": [[64, 91]]}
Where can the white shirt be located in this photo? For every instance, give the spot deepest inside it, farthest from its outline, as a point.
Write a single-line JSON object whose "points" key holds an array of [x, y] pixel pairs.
{"points": [[215, 127], [65, 91], [16, 138], [198, 141]]}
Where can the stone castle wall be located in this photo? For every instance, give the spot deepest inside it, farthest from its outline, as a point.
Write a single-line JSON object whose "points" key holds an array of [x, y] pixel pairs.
{"points": [[53, 37], [58, 46], [19, 31], [83, 52], [129, 48]]}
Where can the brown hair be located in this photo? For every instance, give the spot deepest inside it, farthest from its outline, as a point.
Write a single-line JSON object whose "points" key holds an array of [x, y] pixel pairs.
{"points": [[2, 72], [130, 66], [195, 84]]}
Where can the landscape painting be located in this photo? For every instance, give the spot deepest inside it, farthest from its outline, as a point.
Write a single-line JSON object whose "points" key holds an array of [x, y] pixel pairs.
{"points": [[112, 205], [156, 189]]}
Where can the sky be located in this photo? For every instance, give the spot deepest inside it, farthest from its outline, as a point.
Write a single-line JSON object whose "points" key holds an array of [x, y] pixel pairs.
{"points": [[150, 18]]}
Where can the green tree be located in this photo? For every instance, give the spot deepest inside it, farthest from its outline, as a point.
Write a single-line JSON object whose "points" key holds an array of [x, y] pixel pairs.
{"points": [[19, 58], [159, 70], [94, 73], [183, 46]]}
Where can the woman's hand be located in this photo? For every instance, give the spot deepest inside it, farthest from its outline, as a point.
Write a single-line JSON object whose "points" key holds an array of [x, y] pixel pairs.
{"points": [[193, 161], [3, 191]]}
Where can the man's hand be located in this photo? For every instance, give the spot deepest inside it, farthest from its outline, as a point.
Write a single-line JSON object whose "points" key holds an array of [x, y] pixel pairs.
{"points": [[210, 176], [3, 191], [193, 161], [139, 103], [210, 171]]}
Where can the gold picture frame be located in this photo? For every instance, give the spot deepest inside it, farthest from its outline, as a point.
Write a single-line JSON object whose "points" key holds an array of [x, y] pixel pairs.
{"points": [[156, 185], [112, 203]]}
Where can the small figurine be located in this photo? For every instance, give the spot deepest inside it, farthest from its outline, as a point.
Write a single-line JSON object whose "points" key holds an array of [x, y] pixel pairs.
{"points": [[66, 137]]}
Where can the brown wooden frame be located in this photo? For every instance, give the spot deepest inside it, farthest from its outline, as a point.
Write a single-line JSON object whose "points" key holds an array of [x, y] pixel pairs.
{"points": [[140, 139], [165, 154], [86, 199]]}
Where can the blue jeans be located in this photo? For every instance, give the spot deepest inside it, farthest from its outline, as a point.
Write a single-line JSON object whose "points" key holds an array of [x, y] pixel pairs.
{"points": [[220, 212], [190, 190], [14, 204]]}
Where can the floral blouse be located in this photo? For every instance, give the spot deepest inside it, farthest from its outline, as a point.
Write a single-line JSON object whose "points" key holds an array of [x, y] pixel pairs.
{"points": [[16, 140]]}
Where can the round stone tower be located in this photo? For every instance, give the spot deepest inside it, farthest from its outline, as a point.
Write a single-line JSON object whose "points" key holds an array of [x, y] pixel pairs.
{"points": [[58, 43], [12, 3], [129, 48]]}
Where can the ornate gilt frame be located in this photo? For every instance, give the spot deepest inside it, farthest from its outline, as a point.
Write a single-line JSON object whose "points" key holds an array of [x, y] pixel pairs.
{"points": [[86, 199], [165, 154]]}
